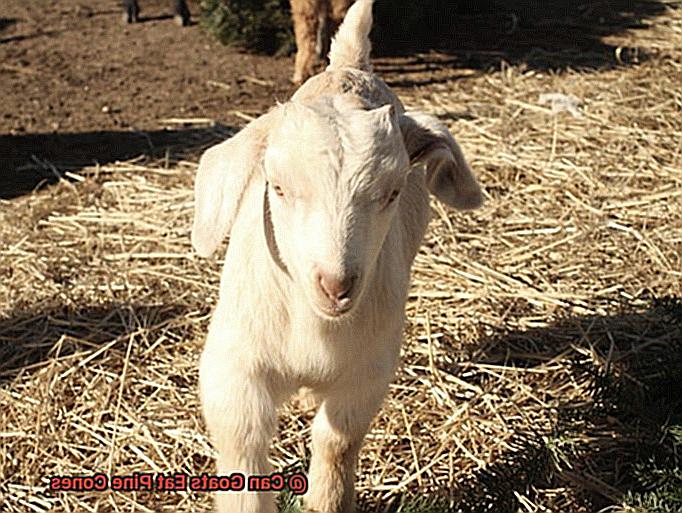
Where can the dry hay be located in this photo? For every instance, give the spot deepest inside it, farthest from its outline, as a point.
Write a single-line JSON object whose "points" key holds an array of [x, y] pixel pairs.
{"points": [[536, 340]]}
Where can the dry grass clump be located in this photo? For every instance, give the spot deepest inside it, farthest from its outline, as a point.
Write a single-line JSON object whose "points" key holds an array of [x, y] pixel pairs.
{"points": [[542, 358]]}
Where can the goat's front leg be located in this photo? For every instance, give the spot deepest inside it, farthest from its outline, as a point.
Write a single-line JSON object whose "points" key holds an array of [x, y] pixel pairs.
{"points": [[338, 431], [240, 412]]}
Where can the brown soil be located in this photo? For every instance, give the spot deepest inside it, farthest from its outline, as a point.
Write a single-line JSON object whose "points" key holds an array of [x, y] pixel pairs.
{"points": [[74, 66], [80, 87]]}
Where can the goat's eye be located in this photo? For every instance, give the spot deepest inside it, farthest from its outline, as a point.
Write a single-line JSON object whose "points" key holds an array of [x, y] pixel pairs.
{"points": [[392, 197], [278, 190]]}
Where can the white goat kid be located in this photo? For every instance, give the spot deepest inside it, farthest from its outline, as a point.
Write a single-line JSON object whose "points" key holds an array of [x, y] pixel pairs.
{"points": [[326, 200]]}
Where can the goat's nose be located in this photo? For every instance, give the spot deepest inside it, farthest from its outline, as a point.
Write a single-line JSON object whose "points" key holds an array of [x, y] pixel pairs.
{"points": [[334, 287]]}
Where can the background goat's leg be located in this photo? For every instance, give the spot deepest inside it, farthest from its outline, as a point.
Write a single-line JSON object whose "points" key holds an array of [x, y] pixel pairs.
{"points": [[337, 12], [131, 11], [333, 15], [181, 13], [323, 35], [306, 14]]}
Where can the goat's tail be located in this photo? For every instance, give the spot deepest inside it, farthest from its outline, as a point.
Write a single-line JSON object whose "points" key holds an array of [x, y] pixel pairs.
{"points": [[351, 47]]}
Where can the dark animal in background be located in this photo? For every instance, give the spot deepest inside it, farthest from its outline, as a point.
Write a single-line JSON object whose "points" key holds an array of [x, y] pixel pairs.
{"points": [[131, 12], [315, 22]]}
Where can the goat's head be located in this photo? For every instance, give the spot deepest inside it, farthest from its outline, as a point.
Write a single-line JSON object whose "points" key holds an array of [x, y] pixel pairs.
{"points": [[333, 175]]}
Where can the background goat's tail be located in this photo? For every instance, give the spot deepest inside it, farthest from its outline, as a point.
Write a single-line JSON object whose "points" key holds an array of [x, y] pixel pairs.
{"points": [[351, 47]]}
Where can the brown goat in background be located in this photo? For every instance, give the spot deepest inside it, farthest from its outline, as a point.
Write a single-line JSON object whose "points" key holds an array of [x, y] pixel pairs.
{"points": [[315, 22]]}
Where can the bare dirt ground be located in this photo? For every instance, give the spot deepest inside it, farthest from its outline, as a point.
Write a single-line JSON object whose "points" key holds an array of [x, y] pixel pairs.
{"points": [[78, 86], [73, 66], [544, 338]]}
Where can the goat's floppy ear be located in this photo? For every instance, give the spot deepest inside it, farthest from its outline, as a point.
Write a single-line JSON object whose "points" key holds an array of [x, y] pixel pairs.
{"points": [[224, 173], [448, 174]]}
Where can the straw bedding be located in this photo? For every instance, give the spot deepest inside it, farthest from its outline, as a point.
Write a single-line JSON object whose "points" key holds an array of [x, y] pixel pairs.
{"points": [[544, 337]]}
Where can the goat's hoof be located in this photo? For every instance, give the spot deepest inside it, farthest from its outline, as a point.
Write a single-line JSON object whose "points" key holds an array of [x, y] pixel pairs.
{"points": [[299, 78], [130, 17], [182, 21]]}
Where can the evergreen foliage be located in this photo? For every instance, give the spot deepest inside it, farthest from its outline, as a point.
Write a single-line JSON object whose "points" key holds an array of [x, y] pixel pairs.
{"points": [[662, 481], [260, 25]]}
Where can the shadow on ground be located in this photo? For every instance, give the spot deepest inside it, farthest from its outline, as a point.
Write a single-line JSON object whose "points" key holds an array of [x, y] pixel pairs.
{"points": [[596, 446], [28, 162], [5, 23], [544, 34], [29, 338]]}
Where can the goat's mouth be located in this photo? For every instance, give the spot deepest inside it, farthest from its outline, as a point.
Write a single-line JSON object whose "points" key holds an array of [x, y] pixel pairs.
{"points": [[335, 311]]}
